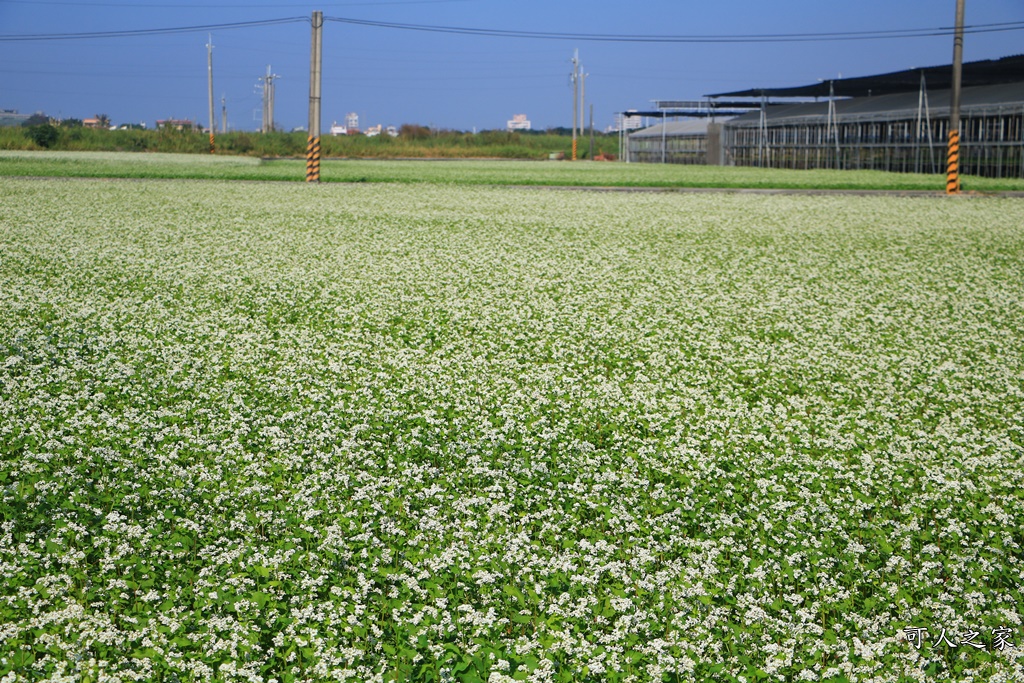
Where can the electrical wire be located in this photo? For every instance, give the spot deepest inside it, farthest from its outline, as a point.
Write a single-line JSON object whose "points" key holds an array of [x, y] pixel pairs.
{"points": [[246, 4], [634, 38], [544, 35], [151, 31]]}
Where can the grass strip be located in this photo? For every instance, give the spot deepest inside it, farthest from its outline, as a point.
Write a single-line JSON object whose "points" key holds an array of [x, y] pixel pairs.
{"points": [[472, 172]]}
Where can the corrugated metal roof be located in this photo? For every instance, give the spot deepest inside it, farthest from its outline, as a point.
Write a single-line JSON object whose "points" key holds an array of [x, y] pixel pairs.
{"points": [[979, 73], [994, 99], [675, 129]]}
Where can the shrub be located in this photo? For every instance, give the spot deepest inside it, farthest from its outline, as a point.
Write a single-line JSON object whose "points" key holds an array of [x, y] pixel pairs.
{"points": [[44, 135], [412, 131]]}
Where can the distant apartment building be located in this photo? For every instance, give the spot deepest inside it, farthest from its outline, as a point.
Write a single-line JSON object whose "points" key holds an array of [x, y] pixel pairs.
{"points": [[373, 131], [351, 126], [519, 122], [352, 123], [628, 121]]}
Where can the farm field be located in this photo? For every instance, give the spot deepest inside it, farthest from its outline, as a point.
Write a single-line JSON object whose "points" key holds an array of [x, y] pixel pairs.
{"points": [[471, 172], [438, 432]]}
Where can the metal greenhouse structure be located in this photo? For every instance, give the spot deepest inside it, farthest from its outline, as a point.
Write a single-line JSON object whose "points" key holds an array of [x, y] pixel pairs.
{"points": [[681, 142], [893, 122], [904, 132]]}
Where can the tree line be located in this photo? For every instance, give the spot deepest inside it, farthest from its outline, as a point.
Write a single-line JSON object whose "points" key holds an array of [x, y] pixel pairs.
{"points": [[413, 140]]}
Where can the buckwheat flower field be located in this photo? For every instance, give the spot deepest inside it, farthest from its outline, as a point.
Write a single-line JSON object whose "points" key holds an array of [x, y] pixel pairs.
{"points": [[276, 432]]}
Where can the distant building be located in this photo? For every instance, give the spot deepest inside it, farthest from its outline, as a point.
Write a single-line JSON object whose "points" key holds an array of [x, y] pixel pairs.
{"points": [[628, 121], [519, 122], [173, 124], [373, 131], [392, 131], [11, 117], [92, 123], [338, 130], [893, 122], [352, 123]]}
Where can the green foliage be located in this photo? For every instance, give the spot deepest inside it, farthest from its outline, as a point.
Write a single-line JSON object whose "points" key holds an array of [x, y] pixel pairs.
{"points": [[412, 131], [276, 144], [185, 141], [413, 142], [434, 432], [44, 135], [37, 119], [255, 166], [15, 138]]}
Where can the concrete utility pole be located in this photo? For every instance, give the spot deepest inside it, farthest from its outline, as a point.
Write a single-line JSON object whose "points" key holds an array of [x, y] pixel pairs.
{"points": [[270, 106], [209, 66], [591, 157], [953, 154], [315, 62], [266, 93], [583, 99], [575, 98], [268, 101]]}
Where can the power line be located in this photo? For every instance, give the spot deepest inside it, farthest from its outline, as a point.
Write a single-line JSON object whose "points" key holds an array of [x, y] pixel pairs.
{"points": [[246, 4], [543, 35], [150, 31], [638, 38]]}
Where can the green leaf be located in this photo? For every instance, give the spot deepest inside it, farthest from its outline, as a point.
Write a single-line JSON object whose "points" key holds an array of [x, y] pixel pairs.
{"points": [[512, 591]]}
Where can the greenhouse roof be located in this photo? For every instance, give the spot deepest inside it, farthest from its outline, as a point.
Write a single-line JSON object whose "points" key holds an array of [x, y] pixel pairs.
{"points": [[984, 72], [674, 129], [994, 99]]}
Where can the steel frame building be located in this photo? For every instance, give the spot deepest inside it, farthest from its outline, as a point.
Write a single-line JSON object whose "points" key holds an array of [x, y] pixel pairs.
{"points": [[893, 122], [677, 142], [903, 132]]}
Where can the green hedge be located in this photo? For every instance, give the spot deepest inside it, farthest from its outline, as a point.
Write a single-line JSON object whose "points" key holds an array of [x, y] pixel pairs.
{"points": [[412, 143]]}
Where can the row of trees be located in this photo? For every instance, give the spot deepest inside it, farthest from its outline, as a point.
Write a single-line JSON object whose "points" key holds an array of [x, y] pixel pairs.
{"points": [[41, 119], [413, 140], [44, 131]]}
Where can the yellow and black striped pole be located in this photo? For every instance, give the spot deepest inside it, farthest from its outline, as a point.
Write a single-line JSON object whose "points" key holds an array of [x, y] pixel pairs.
{"points": [[315, 66], [212, 147], [953, 156], [313, 160], [953, 164]]}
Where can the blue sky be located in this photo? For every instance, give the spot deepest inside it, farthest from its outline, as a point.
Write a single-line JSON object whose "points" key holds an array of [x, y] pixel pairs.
{"points": [[391, 76]]}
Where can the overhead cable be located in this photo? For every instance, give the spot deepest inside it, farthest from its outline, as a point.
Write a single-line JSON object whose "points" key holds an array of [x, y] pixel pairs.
{"points": [[150, 31], [642, 38], [543, 35]]}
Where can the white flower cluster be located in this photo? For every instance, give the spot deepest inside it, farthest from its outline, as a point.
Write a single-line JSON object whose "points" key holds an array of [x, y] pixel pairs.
{"points": [[437, 433]]}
